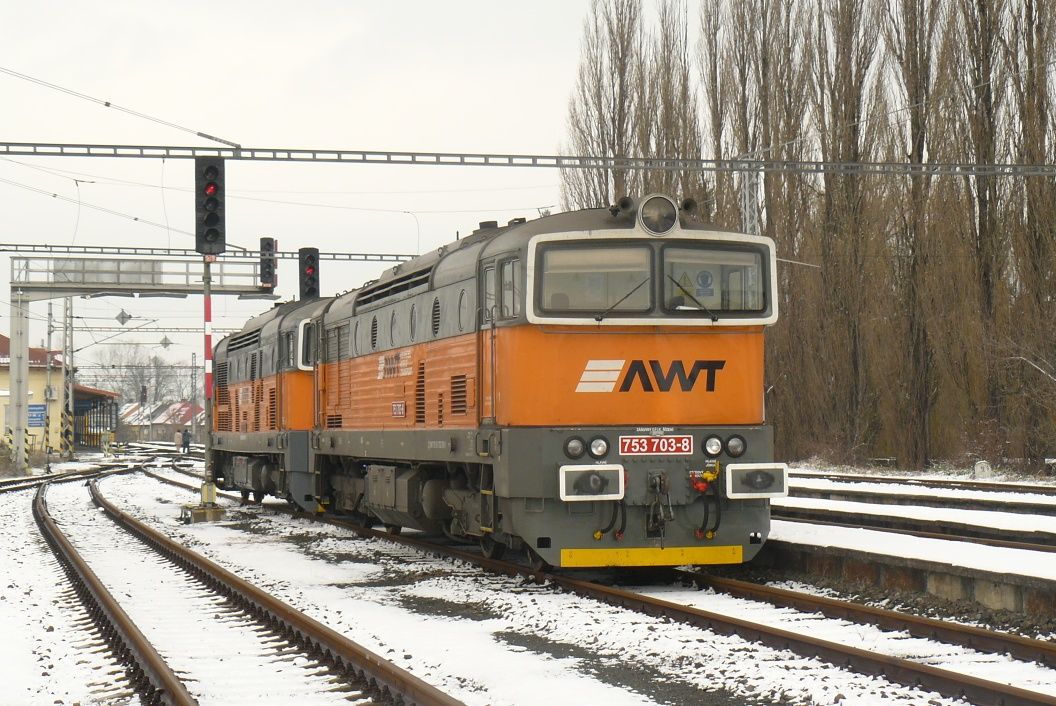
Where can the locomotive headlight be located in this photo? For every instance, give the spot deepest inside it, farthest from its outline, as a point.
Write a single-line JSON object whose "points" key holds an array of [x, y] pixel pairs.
{"points": [[756, 480], [759, 480], [591, 484], [658, 215], [591, 481], [575, 447], [735, 446], [713, 446], [598, 447]]}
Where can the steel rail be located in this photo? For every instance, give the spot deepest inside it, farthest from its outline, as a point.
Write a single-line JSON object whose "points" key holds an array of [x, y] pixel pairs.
{"points": [[932, 483], [957, 532], [1023, 648], [959, 503], [905, 672], [30, 482], [388, 681], [152, 674]]}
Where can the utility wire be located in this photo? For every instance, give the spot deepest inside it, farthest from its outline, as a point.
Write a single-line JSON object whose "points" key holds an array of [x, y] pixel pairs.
{"points": [[108, 104], [103, 209]]}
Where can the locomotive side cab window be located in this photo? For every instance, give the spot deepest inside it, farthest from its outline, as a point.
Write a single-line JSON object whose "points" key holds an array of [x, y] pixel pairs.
{"points": [[710, 278], [579, 279], [489, 294], [290, 350], [511, 289], [306, 336]]}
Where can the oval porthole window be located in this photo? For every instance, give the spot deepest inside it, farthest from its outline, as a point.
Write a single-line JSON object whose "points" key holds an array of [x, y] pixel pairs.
{"points": [[411, 322], [436, 316], [463, 310], [374, 333]]}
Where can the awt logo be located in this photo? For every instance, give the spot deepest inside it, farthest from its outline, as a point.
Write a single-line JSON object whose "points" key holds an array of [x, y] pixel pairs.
{"points": [[647, 375]]}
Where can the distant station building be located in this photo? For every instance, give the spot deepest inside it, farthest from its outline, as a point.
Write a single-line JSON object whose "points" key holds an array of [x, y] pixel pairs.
{"points": [[95, 411]]}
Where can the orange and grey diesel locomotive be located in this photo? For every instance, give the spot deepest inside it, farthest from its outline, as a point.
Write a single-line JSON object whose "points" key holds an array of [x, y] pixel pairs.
{"points": [[587, 386]]}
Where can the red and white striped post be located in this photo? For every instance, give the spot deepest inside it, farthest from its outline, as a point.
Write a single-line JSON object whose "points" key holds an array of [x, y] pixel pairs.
{"points": [[209, 477]]}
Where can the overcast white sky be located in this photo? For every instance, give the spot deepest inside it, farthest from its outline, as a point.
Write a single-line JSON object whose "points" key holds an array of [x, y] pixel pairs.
{"points": [[422, 76]]}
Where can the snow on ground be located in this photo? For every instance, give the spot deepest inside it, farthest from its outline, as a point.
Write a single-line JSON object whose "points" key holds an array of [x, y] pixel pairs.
{"points": [[1014, 521], [220, 653], [918, 490], [49, 653], [998, 668], [496, 640], [943, 551]]}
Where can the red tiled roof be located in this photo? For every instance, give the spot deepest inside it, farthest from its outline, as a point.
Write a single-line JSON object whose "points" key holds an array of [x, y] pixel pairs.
{"points": [[37, 356]]}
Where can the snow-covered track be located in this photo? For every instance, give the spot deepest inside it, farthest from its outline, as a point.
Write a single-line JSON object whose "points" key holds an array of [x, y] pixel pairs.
{"points": [[902, 671], [148, 671], [1038, 500], [377, 679], [919, 527], [951, 483], [29, 482], [1021, 648]]}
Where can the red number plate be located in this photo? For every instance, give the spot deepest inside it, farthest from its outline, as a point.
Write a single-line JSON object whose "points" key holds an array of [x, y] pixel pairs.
{"points": [[656, 445]]}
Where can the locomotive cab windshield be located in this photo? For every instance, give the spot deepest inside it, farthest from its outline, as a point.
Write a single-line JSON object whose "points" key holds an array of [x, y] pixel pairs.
{"points": [[683, 280]]}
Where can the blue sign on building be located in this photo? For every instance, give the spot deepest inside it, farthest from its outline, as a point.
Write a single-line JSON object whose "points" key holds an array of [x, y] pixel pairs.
{"points": [[37, 414]]}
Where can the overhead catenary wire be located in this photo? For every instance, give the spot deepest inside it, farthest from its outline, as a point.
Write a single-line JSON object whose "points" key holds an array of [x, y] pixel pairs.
{"points": [[114, 106]]}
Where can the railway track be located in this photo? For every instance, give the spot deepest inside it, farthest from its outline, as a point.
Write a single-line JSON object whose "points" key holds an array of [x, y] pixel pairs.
{"points": [[933, 529], [931, 482], [252, 637], [31, 482], [1027, 501], [902, 671]]}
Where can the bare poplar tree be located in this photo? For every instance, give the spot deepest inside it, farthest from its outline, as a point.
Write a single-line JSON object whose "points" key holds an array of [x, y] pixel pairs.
{"points": [[982, 29], [845, 63], [603, 112], [912, 31], [1029, 50], [671, 128]]}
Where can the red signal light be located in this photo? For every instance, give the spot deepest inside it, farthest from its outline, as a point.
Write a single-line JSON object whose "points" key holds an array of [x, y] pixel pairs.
{"points": [[210, 189], [309, 270]]}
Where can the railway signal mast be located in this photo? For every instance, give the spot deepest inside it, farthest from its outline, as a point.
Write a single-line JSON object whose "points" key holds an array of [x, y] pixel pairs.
{"points": [[210, 232]]}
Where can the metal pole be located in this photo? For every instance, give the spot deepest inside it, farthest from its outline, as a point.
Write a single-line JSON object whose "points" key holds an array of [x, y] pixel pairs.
{"points": [[209, 477], [48, 394], [194, 396], [67, 364], [17, 410]]}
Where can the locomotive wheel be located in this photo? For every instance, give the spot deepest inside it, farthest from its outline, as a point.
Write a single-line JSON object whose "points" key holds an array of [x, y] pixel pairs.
{"points": [[393, 529], [245, 497], [258, 497], [490, 548]]}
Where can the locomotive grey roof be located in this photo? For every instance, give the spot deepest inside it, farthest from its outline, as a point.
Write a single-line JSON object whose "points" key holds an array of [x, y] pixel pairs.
{"points": [[457, 261], [268, 322]]}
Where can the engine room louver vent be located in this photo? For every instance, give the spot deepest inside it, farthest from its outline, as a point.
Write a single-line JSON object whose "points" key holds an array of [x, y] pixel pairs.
{"points": [[244, 340], [333, 421], [272, 409], [392, 287], [458, 394], [419, 396], [223, 396]]}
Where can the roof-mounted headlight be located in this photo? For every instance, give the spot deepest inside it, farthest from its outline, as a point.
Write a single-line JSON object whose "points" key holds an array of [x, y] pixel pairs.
{"points": [[658, 214]]}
